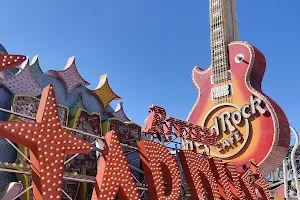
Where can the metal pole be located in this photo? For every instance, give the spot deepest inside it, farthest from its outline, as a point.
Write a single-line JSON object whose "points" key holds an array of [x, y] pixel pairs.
{"points": [[285, 179], [14, 171], [293, 153], [18, 150], [23, 192], [66, 194]]}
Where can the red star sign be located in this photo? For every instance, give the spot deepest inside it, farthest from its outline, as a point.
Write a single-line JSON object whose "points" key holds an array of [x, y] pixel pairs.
{"points": [[9, 61], [49, 144]]}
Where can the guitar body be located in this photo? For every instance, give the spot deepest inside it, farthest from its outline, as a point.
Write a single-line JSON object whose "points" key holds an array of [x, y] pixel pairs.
{"points": [[263, 136]]}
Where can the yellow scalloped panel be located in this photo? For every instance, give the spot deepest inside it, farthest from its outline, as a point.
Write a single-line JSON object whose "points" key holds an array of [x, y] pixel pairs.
{"points": [[104, 92]]}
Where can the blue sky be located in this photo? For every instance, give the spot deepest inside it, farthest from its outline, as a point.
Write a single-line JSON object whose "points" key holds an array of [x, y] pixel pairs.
{"points": [[149, 47]]}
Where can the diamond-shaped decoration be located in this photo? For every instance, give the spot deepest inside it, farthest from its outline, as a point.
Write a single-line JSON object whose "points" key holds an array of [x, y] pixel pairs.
{"points": [[69, 76], [23, 82], [104, 92]]}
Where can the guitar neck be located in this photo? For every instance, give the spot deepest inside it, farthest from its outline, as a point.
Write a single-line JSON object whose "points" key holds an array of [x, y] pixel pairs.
{"points": [[222, 32]]}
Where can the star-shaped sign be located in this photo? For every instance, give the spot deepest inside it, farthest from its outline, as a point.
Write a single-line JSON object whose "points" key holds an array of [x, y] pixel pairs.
{"points": [[104, 93], [69, 76], [49, 144], [8, 61]]}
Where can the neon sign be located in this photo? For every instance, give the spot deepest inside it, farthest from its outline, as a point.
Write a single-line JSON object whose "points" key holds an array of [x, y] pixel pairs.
{"points": [[161, 125], [207, 178]]}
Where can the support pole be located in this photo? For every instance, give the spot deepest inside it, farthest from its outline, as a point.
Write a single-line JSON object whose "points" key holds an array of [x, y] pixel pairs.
{"points": [[285, 179], [293, 153]]}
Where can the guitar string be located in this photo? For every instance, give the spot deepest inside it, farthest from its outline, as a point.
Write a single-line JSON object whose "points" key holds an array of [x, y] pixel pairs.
{"points": [[222, 56], [218, 56], [215, 55], [216, 52], [219, 45], [225, 54], [212, 39], [220, 53], [229, 19], [229, 81], [224, 59], [219, 33]]}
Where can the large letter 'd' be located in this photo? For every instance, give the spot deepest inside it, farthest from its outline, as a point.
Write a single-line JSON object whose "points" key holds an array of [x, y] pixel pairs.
{"points": [[159, 164]]}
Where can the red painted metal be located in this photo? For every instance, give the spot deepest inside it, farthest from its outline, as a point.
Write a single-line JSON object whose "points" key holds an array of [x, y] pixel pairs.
{"points": [[8, 61], [114, 177], [158, 163]]}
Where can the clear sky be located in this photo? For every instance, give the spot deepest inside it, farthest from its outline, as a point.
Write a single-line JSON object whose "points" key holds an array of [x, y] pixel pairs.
{"points": [[149, 47]]}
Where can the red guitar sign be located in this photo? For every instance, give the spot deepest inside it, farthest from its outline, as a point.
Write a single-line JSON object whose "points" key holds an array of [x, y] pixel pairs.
{"points": [[249, 124]]}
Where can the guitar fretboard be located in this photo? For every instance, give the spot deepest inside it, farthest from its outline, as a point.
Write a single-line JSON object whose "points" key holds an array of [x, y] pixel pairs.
{"points": [[222, 31]]}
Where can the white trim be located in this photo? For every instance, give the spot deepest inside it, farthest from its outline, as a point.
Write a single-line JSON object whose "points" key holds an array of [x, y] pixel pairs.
{"points": [[197, 70], [296, 145], [255, 92]]}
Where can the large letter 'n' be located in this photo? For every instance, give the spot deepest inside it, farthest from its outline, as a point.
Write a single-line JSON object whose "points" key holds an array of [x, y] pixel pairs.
{"points": [[199, 176]]}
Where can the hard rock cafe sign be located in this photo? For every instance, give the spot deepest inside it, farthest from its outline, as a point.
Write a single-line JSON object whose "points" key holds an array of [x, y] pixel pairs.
{"points": [[233, 126]]}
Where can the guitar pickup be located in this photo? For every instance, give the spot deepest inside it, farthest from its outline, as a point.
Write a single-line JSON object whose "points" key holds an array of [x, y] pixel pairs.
{"points": [[221, 91]]}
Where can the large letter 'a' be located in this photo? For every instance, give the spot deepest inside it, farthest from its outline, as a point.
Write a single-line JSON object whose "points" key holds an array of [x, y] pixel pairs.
{"points": [[158, 163], [114, 177]]}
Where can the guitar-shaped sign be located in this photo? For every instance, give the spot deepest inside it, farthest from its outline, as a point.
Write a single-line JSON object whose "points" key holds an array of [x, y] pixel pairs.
{"points": [[249, 124]]}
